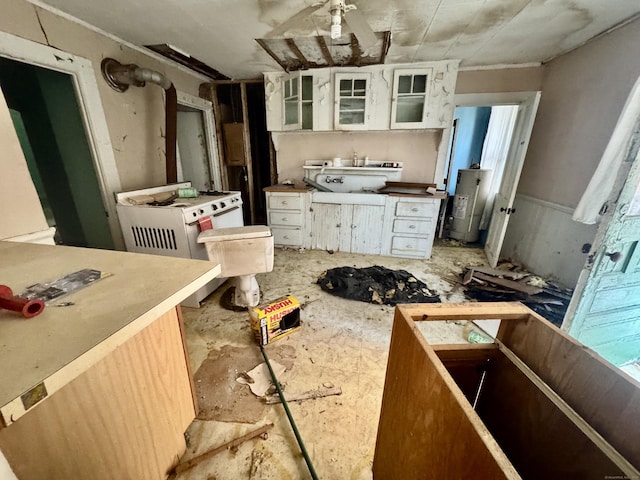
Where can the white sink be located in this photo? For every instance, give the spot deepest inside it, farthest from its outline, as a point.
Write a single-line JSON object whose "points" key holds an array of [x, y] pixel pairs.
{"points": [[348, 198]]}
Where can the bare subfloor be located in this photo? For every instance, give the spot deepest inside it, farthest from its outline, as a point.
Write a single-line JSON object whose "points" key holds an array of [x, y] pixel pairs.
{"points": [[342, 343]]}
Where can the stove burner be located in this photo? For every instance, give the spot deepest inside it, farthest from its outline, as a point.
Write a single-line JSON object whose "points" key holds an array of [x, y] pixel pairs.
{"points": [[214, 193]]}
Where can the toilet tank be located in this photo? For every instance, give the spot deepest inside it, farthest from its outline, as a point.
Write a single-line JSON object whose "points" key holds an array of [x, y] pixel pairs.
{"points": [[239, 250]]}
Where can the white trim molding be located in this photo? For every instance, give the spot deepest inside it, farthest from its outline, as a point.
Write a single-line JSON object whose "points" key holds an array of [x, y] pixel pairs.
{"points": [[91, 110]]}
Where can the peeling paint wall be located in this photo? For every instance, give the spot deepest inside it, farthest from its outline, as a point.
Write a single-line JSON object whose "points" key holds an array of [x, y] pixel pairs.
{"points": [[135, 119]]}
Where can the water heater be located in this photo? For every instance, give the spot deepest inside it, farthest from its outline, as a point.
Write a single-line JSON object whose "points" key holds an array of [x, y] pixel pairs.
{"points": [[469, 201]]}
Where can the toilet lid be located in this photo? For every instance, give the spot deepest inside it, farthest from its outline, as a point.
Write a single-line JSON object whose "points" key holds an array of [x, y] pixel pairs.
{"points": [[234, 233]]}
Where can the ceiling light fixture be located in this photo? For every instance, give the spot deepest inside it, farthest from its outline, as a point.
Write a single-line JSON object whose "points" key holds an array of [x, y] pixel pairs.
{"points": [[336, 9]]}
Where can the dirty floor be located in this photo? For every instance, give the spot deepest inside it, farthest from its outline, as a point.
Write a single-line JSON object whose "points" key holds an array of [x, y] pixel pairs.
{"points": [[342, 343]]}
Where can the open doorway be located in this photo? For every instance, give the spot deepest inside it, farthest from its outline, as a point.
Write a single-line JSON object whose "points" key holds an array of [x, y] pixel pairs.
{"points": [[47, 119], [197, 152], [486, 154]]}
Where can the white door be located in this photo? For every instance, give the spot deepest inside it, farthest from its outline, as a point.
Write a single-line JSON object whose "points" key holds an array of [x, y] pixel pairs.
{"points": [[503, 203]]}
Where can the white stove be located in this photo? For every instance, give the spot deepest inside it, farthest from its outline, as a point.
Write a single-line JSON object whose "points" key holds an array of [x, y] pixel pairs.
{"points": [[171, 228]]}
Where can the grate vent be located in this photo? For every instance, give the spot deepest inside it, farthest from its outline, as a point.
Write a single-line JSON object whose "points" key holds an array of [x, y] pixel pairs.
{"points": [[157, 238]]}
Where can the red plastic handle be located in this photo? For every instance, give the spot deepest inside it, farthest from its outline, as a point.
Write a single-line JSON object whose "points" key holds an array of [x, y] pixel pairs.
{"points": [[28, 308]]}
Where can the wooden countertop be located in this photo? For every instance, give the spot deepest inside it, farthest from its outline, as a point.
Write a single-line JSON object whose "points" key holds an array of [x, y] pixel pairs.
{"points": [[58, 345], [439, 196], [280, 187]]}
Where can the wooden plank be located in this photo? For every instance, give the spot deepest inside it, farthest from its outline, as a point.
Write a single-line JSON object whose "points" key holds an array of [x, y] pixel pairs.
{"points": [[123, 418], [466, 311], [209, 91], [599, 392], [537, 436], [247, 152], [502, 273], [325, 50], [427, 428], [503, 282]]}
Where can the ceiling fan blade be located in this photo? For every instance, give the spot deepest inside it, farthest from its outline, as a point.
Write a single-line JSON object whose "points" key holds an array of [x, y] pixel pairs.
{"points": [[360, 28], [295, 20]]}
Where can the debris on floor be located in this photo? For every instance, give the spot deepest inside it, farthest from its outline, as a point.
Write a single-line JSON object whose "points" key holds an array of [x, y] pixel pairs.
{"points": [[376, 285], [259, 379], [232, 446], [509, 282], [295, 397], [220, 396]]}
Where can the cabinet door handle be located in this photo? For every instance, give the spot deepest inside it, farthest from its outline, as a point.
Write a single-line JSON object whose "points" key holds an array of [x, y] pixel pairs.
{"points": [[284, 219], [412, 226], [286, 237], [414, 209], [284, 202]]}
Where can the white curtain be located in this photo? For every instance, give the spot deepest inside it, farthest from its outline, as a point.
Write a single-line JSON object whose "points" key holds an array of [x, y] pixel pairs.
{"points": [[601, 184], [495, 151]]}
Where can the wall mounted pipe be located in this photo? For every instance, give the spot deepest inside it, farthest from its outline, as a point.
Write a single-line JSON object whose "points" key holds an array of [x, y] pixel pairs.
{"points": [[120, 76]]}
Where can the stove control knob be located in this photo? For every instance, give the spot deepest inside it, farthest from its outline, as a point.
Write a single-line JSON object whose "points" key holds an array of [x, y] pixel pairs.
{"points": [[222, 204], [201, 211], [215, 207]]}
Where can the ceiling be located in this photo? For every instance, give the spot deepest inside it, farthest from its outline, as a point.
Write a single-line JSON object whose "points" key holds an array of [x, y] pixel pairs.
{"points": [[222, 33]]}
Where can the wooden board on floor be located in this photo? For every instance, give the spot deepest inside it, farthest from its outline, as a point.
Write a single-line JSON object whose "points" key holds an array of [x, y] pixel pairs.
{"points": [[113, 417], [445, 441]]}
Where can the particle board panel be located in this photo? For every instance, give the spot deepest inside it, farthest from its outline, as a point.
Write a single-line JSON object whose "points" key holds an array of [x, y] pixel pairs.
{"points": [[599, 392], [122, 418], [446, 440]]}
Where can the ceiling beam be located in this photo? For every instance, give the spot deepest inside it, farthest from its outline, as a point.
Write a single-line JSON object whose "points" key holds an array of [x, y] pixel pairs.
{"points": [[294, 48], [325, 50], [355, 51], [266, 48]]}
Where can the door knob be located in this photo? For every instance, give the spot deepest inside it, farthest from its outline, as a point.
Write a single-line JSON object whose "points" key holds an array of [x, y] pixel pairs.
{"points": [[615, 256]]}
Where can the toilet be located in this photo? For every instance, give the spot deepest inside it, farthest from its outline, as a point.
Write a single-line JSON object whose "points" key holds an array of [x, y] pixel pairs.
{"points": [[241, 252]]}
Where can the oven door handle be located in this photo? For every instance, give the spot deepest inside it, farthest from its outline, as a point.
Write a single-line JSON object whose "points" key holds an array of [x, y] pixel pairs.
{"points": [[226, 211]]}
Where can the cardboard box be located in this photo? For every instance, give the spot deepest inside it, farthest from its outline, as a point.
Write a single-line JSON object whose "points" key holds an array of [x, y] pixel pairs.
{"points": [[274, 320]]}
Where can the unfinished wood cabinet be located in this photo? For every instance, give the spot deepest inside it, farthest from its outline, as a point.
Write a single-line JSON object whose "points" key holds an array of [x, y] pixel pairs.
{"points": [[534, 404], [101, 388]]}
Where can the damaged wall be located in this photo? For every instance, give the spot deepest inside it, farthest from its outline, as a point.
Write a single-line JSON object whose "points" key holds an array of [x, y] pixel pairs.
{"points": [[417, 149], [135, 119], [583, 94]]}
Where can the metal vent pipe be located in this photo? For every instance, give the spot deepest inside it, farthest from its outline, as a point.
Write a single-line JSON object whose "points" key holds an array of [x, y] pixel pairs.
{"points": [[120, 76]]}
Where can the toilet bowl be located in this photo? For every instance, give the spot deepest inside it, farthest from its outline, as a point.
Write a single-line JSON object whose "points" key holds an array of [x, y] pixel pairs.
{"points": [[241, 252]]}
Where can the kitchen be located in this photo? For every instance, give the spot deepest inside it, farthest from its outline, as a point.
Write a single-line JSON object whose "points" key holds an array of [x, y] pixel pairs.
{"points": [[134, 127]]}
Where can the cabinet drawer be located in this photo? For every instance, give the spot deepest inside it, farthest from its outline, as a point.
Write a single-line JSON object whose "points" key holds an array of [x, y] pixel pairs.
{"points": [[285, 202], [414, 209], [411, 246], [287, 236], [413, 226], [286, 218]]}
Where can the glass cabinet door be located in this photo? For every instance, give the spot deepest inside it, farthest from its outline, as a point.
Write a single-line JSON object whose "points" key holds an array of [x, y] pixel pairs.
{"points": [[409, 103], [291, 103], [307, 102], [352, 98]]}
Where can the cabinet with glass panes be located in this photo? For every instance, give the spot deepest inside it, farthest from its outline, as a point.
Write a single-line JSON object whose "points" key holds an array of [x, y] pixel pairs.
{"points": [[409, 102], [352, 101]]}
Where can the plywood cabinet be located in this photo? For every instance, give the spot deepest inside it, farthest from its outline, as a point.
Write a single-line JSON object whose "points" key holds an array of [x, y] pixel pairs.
{"points": [[532, 404], [101, 388]]}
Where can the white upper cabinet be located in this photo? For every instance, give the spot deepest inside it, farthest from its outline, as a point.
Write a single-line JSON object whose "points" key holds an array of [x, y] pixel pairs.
{"points": [[376, 97], [409, 101], [352, 99]]}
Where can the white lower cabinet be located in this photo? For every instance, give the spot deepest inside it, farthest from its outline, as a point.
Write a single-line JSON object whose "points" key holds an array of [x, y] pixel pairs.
{"points": [[286, 217], [410, 225], [401, 226], [347, 228]]}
